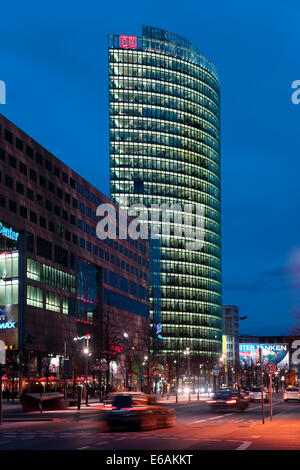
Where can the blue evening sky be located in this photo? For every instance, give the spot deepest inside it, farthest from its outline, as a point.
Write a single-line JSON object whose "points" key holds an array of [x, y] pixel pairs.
{"points": [[54, 62]]}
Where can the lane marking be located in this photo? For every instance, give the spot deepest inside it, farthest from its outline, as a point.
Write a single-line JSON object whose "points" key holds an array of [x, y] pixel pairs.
{"points": [[82, 448], [221, 416], [101, 443], [3, 442], [244, 446]]}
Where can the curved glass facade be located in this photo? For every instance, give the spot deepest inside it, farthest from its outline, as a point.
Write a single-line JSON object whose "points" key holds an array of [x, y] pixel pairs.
{"points": [[165, 148]]}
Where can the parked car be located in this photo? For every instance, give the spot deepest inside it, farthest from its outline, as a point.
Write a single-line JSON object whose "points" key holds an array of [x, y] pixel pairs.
{"points": [[255, 394], [137, 411], [291, 394], [227, 400]]}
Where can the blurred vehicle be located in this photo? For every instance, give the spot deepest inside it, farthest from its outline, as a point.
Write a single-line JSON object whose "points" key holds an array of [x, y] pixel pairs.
{"points": [[227, 400], [255, 394], [202, 390], [138, 411], [291, 393], [246, 393]]}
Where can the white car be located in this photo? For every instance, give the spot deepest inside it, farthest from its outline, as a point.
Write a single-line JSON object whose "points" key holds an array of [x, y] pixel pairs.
{"points": [[255, 394], [291, 394]]}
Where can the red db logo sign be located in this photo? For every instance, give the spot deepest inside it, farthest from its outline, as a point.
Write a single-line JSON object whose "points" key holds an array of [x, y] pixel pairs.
{"points": [[128, 42]]}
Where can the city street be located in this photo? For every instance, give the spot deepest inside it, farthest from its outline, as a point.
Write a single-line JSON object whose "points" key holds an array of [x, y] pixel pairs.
{"points": [[196, 429]]}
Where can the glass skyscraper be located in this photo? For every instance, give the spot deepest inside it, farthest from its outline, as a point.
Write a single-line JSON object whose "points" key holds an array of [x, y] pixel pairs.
{"points": [[164, 101]]}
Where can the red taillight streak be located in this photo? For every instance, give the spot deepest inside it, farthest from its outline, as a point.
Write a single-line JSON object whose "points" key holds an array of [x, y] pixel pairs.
{"points": [[211, 401], [231, 401], [134, 409]]}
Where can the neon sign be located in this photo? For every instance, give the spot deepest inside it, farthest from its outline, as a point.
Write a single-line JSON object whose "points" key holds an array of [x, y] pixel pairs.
{"points": [[159, 330], [8, 325], [8, 232], [128, 42]]}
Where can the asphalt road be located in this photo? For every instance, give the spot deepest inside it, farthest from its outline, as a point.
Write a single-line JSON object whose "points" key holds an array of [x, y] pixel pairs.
{"points": [[196, 429]]}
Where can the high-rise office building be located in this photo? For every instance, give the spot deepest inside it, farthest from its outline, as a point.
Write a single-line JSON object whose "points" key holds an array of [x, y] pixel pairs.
{"points": [[231, 335], [164, 101]]}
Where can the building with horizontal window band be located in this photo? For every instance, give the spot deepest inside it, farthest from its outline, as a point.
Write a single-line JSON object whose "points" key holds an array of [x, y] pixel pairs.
{"points": [[164, 105], [59, 281]]}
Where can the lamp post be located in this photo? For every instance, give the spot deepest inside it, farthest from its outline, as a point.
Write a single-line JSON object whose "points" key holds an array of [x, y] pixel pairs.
{"points": [[176, 379], [87, 353], [126, 359], [187, 353], [198, 389], [224, 364], [147, 363]]}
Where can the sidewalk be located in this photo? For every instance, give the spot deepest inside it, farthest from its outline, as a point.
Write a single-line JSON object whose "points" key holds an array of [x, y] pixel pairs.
{"points": [[10, 410]]}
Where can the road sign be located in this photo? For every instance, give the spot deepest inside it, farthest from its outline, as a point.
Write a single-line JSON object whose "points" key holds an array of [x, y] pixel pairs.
{"points": [[2, 353], [270, 368], [103, 367], [216, 370]]}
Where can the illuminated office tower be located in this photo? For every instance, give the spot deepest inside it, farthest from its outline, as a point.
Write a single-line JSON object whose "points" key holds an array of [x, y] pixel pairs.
{"points": [[164, 102]]}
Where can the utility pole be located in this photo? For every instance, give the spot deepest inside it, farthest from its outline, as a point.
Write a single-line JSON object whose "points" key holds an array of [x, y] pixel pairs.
{"points": [[86, 351], [65, 372], [262, 387], [176, 380]]}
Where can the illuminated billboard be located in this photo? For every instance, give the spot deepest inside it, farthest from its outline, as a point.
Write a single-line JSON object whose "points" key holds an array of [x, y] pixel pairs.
{"points": [[9, 297], [128, 42], [276, 353]]}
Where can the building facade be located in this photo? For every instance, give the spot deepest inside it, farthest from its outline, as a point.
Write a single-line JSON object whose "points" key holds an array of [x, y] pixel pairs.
{"points": [[59, 281], [231, 335], [164, 100]]}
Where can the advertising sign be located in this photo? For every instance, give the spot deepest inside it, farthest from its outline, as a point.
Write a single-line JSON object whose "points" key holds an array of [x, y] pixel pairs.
{"points": [[276, 353], [9, 325], [128, 42], [8, 232], [54, 365]]}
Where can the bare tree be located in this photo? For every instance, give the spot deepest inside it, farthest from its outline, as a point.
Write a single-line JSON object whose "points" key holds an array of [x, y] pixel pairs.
{"points": [[148, 347], [110, 341]]}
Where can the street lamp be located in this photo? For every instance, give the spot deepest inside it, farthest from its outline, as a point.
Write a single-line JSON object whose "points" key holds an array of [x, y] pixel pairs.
{"points": [[187, 353], [224, 364], [87, 353], [126, 359]]}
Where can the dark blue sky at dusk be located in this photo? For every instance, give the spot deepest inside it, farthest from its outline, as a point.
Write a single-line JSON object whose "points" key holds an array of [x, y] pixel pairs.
{"points": [[55, 65]]}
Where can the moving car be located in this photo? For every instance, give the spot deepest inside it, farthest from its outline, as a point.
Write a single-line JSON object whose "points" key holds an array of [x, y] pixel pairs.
{"points": [[291, 393], [246, 393], [228, 400], [255, 394], [137, 411]]}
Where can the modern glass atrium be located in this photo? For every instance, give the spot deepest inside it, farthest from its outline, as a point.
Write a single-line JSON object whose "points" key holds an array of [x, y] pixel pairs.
{"points": [[164, 100]]}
